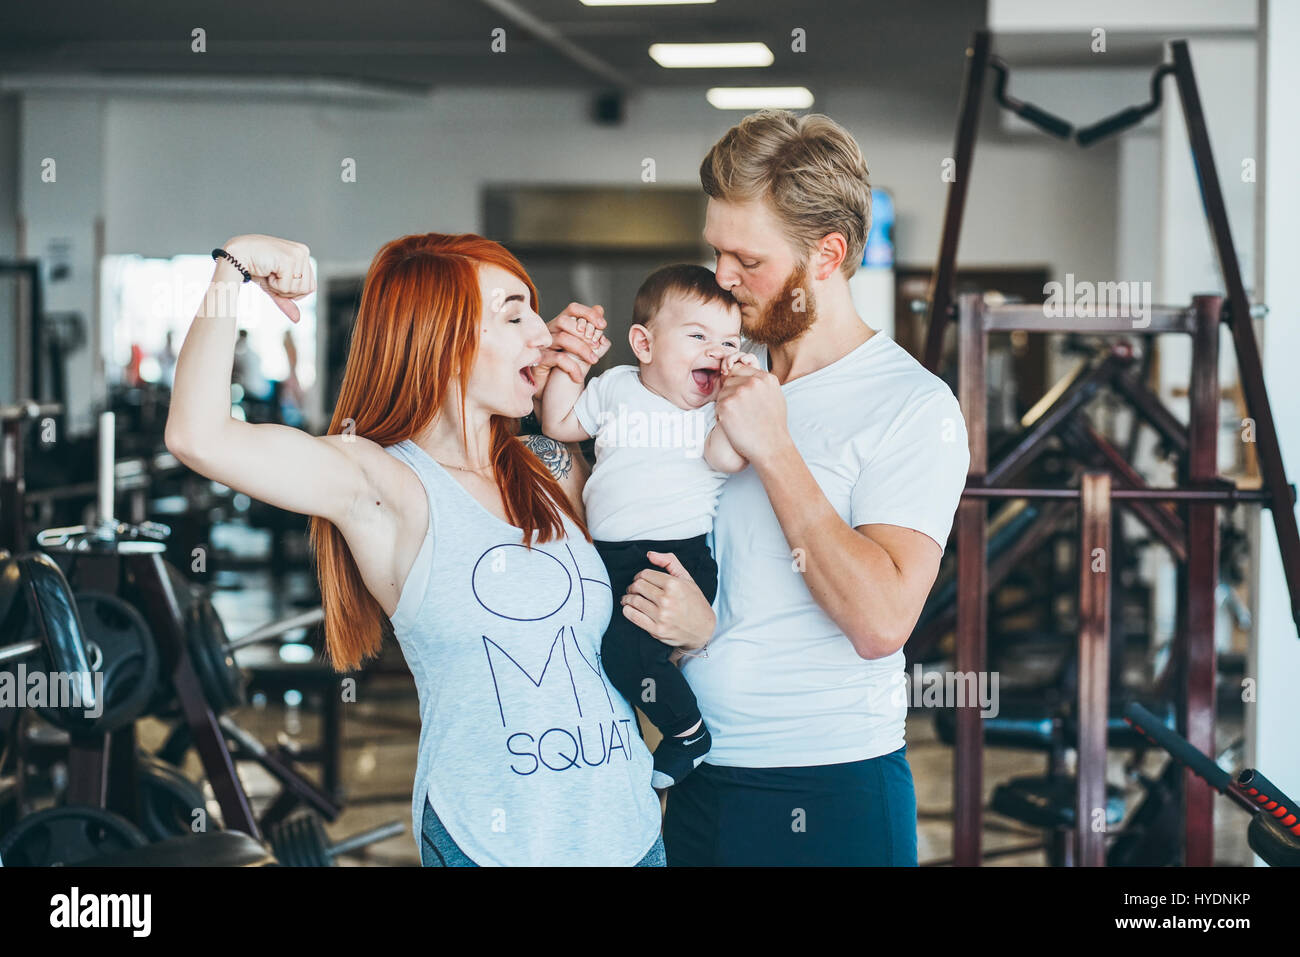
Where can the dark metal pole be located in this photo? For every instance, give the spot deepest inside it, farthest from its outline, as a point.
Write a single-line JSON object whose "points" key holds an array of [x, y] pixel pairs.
{"points": [[1033, 537], [972, 595], [1221, 494], [1149, 407], [1093, 448], [941, 283], [1202, 579], [1243, 331], [163, 612], [1080, 392], [1095, 569]]}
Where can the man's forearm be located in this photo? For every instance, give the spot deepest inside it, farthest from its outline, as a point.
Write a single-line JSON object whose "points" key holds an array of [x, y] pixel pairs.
{"points": [[852, 578]]}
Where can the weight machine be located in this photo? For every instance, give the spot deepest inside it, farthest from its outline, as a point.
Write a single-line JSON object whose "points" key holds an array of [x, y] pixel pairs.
{"points": [[101, 599], [1201, 489]]}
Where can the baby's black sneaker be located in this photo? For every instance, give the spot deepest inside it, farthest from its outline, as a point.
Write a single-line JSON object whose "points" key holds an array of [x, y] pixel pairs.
{"points": [[677, 757]]}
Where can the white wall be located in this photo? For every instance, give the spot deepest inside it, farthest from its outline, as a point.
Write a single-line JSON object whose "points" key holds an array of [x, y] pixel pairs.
{"points": [[1070, 15], [180, 173], [1138, 240], [62, 214], [1225, 70], [182, 176]]}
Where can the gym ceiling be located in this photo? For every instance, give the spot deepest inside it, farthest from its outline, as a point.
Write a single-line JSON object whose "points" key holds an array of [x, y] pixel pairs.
{"points": [[418, 45]]}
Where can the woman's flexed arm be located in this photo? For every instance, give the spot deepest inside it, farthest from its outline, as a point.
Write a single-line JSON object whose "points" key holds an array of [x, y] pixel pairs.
{"points": [[282, 466]]}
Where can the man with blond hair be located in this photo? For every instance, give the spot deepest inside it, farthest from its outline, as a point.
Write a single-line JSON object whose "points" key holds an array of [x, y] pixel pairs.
{"points": [[827, 545]]}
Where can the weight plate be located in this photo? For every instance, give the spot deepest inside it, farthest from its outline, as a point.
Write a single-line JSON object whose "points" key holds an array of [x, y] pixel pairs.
{"points": [[67, 835], [222, 679], [164, 704], [288, 844], [11, 584], [129, 664], [317, 842], [52, 616], [168, 799], [281, 837], [300, 841], [8, 805]]}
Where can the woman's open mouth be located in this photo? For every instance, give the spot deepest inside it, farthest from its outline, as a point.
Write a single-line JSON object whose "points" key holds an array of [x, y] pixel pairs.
{"points": [[705, 379], [526, 373]]}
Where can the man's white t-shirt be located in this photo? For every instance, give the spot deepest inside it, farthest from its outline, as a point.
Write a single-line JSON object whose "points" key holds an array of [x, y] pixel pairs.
{"points": [[650, 479], [782, 686]]}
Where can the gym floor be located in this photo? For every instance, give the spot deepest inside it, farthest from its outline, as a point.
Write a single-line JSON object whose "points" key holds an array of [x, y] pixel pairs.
{"points": [[380, 732]]}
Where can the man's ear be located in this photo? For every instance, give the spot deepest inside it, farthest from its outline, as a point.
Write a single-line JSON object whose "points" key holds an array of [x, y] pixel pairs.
{"points": [[828, 256], [638, 337]]}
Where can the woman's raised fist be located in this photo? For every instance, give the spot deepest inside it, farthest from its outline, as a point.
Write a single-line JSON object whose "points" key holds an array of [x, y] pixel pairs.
{"points": [[280, 266]]}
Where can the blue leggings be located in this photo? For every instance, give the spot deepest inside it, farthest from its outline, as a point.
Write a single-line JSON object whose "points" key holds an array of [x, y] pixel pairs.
{"points": [[437, 849], [862, 813]]}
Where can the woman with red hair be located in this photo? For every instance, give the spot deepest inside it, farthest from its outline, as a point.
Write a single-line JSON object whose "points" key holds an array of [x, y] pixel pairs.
{"points": [[432, 521]]}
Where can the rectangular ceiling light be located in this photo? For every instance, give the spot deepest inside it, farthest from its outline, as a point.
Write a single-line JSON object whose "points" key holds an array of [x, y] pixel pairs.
{"points": [[695, 55], [760, 97], [637, 3]]}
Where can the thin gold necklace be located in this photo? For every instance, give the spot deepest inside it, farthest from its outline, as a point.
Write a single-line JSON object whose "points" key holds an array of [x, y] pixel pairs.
{"points": [[463, 468]]}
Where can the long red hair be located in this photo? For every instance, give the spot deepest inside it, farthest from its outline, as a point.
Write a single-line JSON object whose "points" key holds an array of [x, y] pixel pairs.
{"points": [[418, 323]]}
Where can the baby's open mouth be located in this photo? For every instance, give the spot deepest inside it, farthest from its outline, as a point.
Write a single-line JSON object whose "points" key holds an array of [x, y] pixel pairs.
{"points": [[704, 379]]}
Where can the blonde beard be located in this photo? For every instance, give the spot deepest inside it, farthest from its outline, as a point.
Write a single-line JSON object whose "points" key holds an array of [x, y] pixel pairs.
{"points": [[778, 321]]}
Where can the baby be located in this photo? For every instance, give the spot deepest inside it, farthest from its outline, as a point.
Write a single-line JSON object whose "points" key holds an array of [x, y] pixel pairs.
{"points": [[661, 460]]}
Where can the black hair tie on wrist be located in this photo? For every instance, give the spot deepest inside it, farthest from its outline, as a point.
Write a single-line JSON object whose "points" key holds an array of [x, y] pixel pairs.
{"points": [[219, 253]]}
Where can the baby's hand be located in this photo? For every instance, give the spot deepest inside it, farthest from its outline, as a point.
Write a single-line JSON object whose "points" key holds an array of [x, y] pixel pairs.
{"points": [[598, 341], [738, 358]]}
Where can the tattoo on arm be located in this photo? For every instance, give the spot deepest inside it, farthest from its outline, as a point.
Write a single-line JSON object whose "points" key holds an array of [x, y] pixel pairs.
{"points": [[554, 455]]}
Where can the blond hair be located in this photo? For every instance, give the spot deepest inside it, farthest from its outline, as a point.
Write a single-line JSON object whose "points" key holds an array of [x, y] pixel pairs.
{"points": [[808, 169]]}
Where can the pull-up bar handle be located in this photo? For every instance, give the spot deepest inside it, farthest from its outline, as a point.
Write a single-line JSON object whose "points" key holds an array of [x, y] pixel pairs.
{"points": [[1047, 122], [1125, 118]]}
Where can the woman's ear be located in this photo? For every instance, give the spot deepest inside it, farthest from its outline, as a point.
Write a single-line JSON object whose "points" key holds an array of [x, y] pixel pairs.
{"points": [[638, 337]]}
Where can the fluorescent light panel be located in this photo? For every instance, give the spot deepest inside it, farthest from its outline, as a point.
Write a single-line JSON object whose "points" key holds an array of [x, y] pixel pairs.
{"points": [[638, 3], [760, 97], [696, 55]]}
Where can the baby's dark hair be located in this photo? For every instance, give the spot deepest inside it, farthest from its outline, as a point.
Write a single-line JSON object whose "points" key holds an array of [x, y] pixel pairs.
{"points": [[683, 279]]}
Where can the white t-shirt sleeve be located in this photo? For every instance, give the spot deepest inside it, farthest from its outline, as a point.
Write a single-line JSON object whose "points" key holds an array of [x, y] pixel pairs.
{"points": [[591, 402], [915, 478]]}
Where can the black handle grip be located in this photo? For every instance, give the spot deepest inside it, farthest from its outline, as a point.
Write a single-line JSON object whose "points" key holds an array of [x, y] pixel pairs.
{"points": [[1045, 121], [1111, 124], [1040, 118], [1149, 725]]}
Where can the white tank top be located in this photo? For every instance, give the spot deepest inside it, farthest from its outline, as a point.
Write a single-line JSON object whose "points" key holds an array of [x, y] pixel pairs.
{"points": [[527, 753]]}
